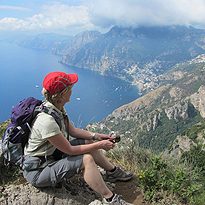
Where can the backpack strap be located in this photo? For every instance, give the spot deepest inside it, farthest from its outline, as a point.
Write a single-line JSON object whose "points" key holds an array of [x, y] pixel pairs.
{"points": [[57, 153], [51, 112]]}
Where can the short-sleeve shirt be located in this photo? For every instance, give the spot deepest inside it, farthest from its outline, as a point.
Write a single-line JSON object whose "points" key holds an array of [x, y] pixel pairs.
{"points": [[44, 127]]}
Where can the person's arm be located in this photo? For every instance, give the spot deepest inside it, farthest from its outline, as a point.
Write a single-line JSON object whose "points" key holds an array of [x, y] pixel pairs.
{"points": [[80, 133], [61, 143]]}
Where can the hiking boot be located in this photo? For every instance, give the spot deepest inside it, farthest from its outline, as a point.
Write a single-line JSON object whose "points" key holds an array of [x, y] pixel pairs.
{"points": [[118, 175], [117, 200]]}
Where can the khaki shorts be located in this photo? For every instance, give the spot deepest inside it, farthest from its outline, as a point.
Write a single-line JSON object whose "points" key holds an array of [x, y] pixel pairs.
{"points": [[52, 172]]}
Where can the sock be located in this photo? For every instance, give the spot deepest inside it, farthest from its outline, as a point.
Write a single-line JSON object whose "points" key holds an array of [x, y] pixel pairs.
{"points": [[112, 170], [110, 199]]}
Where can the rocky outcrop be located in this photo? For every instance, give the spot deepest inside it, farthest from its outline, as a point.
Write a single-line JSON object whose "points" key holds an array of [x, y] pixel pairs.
{"points": [[176, 93], [136, 109], [198, 100], [76, 44], [181, 144], [199, 58], [178, 111], [153, 122], [77, 193]]}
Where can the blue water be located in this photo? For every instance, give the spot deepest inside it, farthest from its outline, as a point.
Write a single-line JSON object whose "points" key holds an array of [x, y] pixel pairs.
{"points": [[93, 98]]}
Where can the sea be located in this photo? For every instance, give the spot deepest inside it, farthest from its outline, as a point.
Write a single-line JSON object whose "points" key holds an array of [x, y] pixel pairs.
{"points": [[93, 97]]}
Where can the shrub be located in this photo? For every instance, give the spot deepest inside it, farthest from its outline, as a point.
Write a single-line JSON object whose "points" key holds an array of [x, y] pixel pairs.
{"points": [[159, 175]]}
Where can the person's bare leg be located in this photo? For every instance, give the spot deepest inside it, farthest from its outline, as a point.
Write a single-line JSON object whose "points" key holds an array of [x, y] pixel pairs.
{"points": [[101, 160], [93, 177]]}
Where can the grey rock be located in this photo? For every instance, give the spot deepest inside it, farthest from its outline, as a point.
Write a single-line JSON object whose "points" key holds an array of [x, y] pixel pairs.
{"points": [[177, 111], [78, 193], [198, 100]]}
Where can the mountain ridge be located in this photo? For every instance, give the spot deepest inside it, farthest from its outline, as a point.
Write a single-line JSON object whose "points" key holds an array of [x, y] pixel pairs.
{"points": [[136, 55], [139, 55], [163, 113]]}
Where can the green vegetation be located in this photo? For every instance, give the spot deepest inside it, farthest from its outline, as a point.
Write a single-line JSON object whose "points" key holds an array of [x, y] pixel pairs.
{"points": [[163, 179], [8, 174], [168, 179], [178, 181], [166, 132], [3, 126], [193, 131], [196, 157]]}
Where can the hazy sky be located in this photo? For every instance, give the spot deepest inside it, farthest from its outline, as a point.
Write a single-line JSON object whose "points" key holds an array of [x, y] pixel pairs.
{"points": [[73, 16]]}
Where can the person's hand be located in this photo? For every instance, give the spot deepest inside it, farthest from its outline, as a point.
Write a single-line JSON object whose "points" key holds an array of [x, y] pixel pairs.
{"points": [[99, 137], [106, 144], [112, 137]]}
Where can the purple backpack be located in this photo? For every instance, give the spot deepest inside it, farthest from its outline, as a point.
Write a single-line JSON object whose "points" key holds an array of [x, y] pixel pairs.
{"points": [[17, 133]]}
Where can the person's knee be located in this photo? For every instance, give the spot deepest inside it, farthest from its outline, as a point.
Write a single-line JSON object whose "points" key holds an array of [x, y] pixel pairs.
{"points": [[88, 159]]}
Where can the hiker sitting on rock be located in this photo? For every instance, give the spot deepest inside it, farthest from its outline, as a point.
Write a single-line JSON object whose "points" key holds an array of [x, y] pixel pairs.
{"points": [[51, 158]]}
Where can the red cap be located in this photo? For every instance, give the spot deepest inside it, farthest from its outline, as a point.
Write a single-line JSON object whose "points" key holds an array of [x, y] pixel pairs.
{"points": [[57, 81]]}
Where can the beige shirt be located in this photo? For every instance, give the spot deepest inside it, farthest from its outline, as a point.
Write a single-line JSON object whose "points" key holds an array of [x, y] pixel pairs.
{"points": [[44, 127]]}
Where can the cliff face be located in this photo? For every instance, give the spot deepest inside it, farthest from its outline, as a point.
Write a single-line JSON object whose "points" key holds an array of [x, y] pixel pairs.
{"points": [[155, 119], [198, 100], [80, 40]]}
